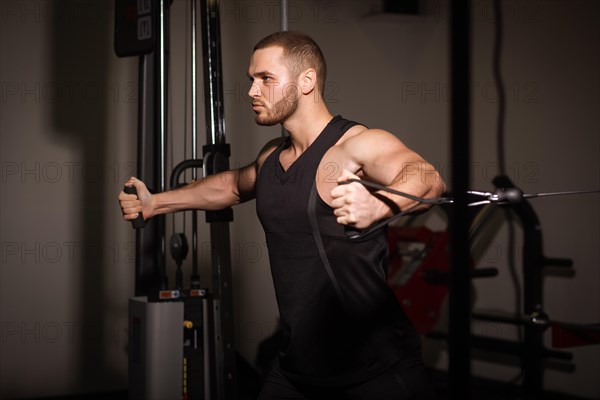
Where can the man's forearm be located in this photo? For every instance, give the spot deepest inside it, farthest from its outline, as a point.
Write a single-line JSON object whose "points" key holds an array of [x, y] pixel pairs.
{"points": [[214, 192]]}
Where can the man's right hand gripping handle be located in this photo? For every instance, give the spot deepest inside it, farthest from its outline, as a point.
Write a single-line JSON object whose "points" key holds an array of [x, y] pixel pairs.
{"points": [[138, 222]]}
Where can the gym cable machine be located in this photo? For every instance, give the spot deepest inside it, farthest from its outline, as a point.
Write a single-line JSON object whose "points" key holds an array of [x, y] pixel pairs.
{"points": [[181, 340]]}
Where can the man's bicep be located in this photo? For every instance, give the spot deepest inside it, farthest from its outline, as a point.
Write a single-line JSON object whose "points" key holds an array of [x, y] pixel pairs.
{"points": [[383, 157], [246, 181]]}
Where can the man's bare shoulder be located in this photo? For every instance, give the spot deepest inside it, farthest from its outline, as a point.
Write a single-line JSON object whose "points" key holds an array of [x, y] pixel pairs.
{"points": [[353, 132], [360, 136]]}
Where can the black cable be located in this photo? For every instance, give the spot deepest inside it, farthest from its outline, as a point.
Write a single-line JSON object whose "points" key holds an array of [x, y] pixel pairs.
{"points": [[498, 198], [533, 195], [436, 200]]}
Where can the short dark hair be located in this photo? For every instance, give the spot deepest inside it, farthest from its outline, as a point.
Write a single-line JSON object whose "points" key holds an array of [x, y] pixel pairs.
{"points": [[300, 52]]}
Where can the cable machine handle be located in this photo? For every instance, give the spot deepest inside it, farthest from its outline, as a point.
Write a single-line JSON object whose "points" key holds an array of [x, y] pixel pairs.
{"points": [[139, 221]]}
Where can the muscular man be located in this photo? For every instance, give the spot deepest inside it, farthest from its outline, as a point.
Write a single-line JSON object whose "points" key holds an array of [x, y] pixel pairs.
{"points": [[345, 335]]}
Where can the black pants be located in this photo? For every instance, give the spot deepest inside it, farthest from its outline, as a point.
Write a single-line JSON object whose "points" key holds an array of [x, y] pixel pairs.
{"points": [[394, 384]]}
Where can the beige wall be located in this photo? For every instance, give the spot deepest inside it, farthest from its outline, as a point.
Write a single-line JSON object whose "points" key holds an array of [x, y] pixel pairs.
{"points": [[68, 126]]}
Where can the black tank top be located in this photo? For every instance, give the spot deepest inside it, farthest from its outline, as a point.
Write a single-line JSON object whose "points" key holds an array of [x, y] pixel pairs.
{"points": [[328, 339]]}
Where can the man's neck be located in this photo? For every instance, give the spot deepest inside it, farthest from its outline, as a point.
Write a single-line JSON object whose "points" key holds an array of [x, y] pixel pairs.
{"points": [[305, 127]]}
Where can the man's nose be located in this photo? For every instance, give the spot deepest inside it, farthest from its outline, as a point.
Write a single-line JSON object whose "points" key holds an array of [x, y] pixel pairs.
{"points": [[254, 90]]}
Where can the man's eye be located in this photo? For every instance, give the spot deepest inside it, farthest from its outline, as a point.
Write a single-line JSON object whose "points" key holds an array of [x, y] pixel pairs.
{"points": [[266, 78]]}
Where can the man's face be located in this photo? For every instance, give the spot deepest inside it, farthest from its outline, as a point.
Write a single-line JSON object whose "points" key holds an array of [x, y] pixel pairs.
{"points": [[274, 93]]}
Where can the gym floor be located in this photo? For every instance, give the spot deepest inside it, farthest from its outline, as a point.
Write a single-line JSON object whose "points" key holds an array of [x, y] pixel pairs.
{"points": [[482, 389]]}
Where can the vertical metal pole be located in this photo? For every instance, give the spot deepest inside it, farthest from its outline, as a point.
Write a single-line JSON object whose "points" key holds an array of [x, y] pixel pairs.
{"points": [[208, 353], [194, 279], [162, 109], [213, 85], [194, 87], [533, 297], [533, 336], [150, 259], [459, 368], [162, 97], [216, 158], [284, 15], [146, 276]]}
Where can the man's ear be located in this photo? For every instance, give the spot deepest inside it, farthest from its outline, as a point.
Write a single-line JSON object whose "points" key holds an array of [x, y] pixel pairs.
{"points": [[308, 81]]}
